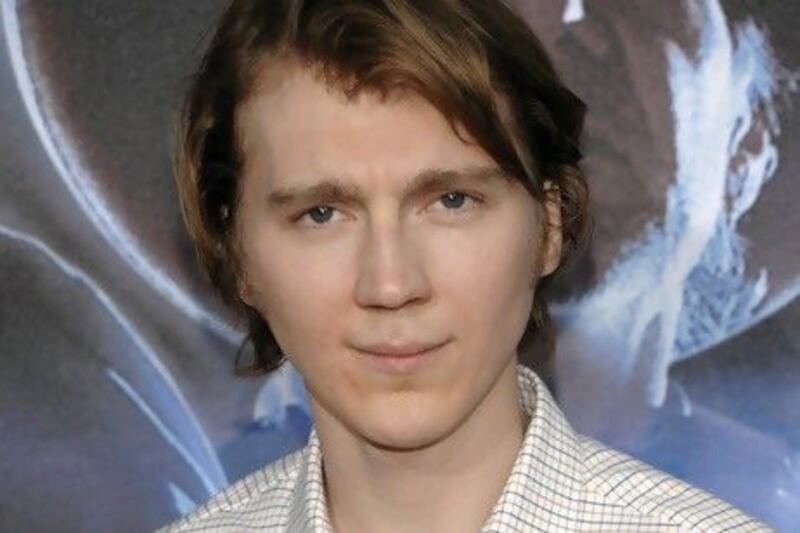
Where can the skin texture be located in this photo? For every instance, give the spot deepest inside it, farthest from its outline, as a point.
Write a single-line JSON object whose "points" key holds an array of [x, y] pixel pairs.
{"points": [[392, 267]]}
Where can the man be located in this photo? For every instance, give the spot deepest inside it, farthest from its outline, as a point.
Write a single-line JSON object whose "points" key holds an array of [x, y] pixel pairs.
{"points": [[385, 188]]}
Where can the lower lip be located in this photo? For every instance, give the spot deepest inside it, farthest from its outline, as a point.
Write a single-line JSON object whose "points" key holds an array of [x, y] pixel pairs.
{"points": [[402, 364]]}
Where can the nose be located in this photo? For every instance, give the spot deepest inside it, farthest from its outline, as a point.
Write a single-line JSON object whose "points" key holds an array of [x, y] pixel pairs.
{"points": [[391, 271]]}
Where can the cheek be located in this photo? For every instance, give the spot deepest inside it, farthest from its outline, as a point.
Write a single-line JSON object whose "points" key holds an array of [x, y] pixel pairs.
{"points": [[300, 296], [486, 283]]}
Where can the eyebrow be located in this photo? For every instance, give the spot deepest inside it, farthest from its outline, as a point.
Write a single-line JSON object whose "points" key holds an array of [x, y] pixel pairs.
{"points": [[334, 190]]}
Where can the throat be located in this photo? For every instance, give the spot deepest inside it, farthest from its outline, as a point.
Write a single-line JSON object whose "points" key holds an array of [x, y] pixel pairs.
{"points": [[420, 490]]}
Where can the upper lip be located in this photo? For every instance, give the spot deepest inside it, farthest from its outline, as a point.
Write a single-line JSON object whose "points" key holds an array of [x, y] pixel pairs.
{"points": [[398, 349]]}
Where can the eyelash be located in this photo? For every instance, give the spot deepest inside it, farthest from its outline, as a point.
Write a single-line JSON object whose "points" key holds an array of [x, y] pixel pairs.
{"points": [[297, 218]]}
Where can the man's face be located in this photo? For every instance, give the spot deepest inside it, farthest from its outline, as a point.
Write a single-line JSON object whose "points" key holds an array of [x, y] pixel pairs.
{"points": [[451, 263]]}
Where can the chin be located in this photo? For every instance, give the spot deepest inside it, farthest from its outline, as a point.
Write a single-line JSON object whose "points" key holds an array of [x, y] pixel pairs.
{"points": [[397, 433], [403, 443]]}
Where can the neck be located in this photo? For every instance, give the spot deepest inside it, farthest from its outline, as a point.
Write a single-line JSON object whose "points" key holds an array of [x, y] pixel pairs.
{"points": [[374, 489]]}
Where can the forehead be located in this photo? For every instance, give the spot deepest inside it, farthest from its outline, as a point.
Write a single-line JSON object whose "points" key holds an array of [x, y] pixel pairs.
{"points": [[297, 124]]}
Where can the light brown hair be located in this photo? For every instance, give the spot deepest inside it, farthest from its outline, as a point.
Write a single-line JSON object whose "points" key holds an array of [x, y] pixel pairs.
{"points": [[476, 61]]}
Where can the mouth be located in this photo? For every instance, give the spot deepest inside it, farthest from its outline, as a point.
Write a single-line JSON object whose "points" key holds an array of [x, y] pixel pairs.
{"points": [[401, 359], [400, 351]]}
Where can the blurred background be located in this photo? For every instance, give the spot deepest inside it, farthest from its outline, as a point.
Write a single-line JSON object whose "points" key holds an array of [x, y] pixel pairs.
{"points": [[678, 330]]}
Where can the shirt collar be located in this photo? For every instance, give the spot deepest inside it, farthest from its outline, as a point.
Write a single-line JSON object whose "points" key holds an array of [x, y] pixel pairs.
{"points": [[546, 473]]}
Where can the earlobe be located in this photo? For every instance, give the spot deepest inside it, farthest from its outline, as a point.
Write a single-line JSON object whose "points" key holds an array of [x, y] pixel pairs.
{"points": [[245, 294]]}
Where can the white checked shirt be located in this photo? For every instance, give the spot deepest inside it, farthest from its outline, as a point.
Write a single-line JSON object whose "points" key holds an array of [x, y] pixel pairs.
{"points": [[560, 481]]}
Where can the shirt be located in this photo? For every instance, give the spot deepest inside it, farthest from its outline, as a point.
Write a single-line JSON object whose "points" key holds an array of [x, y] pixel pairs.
{"points": [[560, 481]]}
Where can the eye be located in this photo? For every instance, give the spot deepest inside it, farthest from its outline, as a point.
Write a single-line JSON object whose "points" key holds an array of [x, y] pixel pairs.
{"points": [[453, 200], [321, 214]]}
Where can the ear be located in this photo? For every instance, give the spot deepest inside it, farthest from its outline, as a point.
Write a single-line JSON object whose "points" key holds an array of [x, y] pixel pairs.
{"points": [[245, 290], [551, 227]]}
